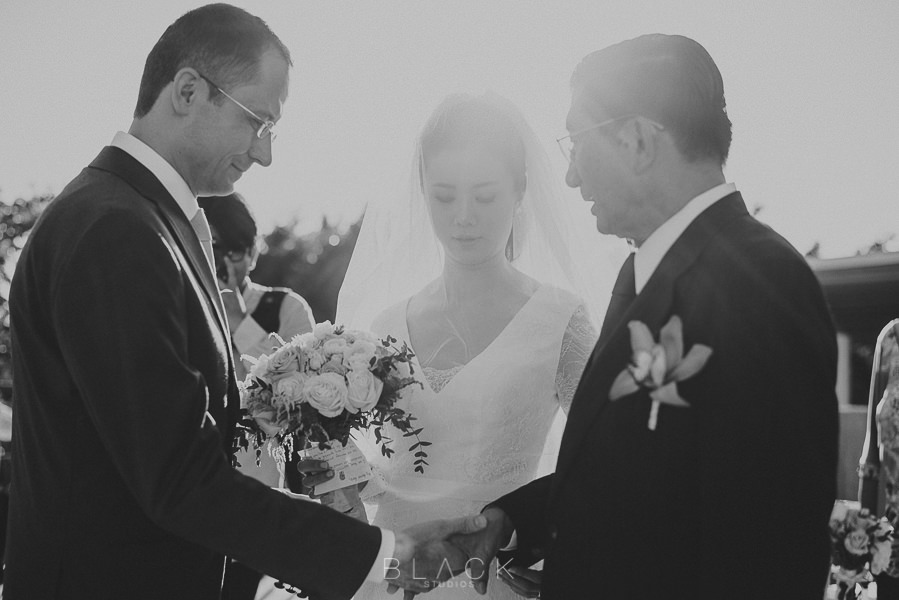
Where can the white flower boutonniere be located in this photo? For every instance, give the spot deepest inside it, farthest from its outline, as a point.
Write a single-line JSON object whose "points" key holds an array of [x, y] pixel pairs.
{"points": [[659, 366]]}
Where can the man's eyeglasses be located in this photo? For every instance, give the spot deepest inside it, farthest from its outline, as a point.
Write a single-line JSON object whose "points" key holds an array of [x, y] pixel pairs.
{"points": [[566, 143], [233, 255], [266, 126]]}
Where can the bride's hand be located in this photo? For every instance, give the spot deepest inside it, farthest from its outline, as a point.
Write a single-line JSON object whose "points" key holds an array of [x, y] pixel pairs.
{"points": [[313, 472]]}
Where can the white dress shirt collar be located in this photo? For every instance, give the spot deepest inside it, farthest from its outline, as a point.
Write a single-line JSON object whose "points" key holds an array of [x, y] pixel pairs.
{"points": [[170, 179], [653, 250]]}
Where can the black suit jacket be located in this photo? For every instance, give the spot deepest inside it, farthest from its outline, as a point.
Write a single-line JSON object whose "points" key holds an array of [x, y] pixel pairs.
{"points": [[122, 484], [729, 498]]}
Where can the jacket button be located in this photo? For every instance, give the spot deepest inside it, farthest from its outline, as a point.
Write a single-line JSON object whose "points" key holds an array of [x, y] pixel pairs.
{"points": [[553, 533]]}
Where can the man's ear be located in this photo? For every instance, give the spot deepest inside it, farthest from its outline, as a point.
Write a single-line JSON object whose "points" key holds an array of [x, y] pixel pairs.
{"points": [[187, 88], [254, 256], [643, 143]]}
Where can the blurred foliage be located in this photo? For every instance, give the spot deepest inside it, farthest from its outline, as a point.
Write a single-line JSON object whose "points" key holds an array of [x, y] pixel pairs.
{"points": [[883, 245], [880, 246], [16, 220], [814, 251], [313, 265]]}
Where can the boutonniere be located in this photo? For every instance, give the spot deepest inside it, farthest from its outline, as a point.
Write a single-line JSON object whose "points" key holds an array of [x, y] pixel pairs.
{"points": [[659, 366]]}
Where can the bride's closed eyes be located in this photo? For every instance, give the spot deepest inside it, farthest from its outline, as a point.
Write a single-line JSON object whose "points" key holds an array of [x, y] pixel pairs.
{"points": [[484, 192], [447, 199]]}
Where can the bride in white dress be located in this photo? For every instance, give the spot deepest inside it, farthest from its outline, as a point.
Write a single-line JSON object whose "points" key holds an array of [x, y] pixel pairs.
{"points": [[473, 271]]}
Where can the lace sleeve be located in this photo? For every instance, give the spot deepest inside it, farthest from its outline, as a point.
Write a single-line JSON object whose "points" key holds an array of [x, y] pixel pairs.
{"points": [[577, 344]]}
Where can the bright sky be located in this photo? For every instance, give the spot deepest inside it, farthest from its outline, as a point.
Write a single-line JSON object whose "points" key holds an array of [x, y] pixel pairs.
{"points": [[812, 89]]}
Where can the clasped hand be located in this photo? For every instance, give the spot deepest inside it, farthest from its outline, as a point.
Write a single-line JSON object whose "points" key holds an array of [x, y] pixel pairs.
{"points": [[424, 556], [431, 553]]}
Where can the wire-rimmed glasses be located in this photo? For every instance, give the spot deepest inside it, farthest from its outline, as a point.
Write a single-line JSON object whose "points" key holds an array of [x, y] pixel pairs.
{"points": [[266, 126], [566, 142]]}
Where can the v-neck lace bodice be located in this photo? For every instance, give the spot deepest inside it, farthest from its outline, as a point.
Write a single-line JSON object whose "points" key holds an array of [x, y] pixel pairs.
{"points": [[438, 378], [486, 420]]}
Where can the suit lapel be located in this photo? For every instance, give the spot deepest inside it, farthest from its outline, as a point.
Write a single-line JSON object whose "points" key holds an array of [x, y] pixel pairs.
{"points": [[122, 164], [653, 306]]}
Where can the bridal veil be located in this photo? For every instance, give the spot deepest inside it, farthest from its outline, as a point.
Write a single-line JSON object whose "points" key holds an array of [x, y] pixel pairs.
{"points": [[554, 239]]}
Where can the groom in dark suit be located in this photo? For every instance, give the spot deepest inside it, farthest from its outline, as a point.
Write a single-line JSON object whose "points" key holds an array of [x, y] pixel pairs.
{"points": [[715, 478], [125, 395]]}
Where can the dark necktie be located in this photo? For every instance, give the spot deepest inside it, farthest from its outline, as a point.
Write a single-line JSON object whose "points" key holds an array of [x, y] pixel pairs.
{"points": [[623, 294]]}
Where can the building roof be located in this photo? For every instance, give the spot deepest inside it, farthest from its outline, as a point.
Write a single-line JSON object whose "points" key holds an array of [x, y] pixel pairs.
{"points": [[863, 292]]}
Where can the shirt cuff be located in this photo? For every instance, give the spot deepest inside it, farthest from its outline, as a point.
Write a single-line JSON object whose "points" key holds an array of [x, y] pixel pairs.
{"points": [[513, 543], [385, 556], [248, 334]]}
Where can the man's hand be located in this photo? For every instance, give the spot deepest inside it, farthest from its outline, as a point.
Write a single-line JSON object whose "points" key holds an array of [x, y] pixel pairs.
{"points": [[483, 545], [424, 557], [235, 307]]}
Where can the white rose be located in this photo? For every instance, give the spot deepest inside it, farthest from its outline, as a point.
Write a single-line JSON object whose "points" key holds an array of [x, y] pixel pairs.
{"points": [[355, 335], [334, 365], [288, 390], [334, 346], [327, 393], [303, 341], [857, 542], [316, 360], [361, 353], [283, 361], [322, 330], [363, 390], [260, 369], [358, 363]]}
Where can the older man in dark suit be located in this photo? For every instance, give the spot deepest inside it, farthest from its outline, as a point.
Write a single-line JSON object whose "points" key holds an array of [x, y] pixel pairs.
{"points": [[125, 393], [699, 459]]}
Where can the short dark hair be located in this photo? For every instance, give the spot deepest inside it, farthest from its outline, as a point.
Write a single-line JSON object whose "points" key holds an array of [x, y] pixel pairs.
{"points": [[668, 78], [232, 220], [222, 41]]}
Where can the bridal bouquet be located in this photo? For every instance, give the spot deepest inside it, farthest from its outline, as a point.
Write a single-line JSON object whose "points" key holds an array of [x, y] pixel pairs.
{"points": [[861, 546], [321, 385]]}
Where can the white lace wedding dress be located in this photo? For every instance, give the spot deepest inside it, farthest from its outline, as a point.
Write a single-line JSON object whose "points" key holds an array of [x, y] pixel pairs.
{"points": [[488, 422]]}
